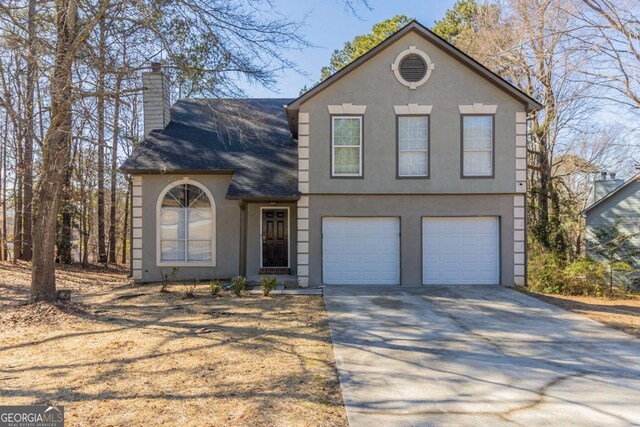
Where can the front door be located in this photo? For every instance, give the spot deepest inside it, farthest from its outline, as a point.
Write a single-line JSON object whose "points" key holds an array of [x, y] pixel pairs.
{"points": [[275, 238]]}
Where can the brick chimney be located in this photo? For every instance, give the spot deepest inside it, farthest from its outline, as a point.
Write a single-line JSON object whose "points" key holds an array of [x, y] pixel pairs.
{"points": [[605, 185], [155, 98]]}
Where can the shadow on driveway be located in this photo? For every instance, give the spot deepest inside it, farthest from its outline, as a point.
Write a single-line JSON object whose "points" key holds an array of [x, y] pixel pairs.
{"points": [[477, 355]]}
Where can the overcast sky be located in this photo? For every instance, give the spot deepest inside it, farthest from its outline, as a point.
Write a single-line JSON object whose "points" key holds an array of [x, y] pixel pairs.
{"points": [[329, 25]]}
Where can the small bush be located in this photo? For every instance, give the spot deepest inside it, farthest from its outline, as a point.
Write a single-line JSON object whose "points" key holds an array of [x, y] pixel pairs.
{"points": [[585, 277], [190, 288], [215, 287], [168, 278], [545, 274], [268, 283], [238, 284]]}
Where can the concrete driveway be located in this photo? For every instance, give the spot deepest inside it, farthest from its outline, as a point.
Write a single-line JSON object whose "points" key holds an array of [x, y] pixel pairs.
{"points": [[478, 356]]}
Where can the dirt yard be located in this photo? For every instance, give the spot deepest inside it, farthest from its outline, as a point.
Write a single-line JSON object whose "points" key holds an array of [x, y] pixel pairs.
{"points": [[132, 355], [619, 313]]}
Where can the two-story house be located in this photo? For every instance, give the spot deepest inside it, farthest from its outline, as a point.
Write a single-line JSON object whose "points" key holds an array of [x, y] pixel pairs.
{"points": [[407, 167]]}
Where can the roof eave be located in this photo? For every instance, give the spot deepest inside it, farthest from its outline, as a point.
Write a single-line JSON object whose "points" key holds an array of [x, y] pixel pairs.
{"points": [[530, 102]]}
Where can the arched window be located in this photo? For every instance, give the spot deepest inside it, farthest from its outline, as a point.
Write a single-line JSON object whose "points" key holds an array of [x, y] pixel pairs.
{"points": [[186, 225]]}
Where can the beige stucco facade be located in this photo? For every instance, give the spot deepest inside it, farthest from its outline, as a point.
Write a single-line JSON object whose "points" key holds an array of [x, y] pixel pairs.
{"points": [[372, 91]]}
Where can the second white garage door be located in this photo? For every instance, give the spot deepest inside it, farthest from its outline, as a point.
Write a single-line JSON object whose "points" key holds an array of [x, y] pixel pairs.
{"points": [[360, 251], [460, 251]]}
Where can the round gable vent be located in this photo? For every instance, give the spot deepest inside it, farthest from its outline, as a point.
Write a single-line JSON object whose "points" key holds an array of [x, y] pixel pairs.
{"points": [[412, 67]]}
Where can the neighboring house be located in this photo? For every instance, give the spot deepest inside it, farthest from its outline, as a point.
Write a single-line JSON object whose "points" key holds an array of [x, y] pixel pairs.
{"points": [[615, 203], [407, 167]]}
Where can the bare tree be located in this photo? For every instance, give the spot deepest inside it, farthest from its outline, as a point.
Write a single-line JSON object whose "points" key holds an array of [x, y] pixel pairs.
{"points": [[610, 31], [57, 143]]}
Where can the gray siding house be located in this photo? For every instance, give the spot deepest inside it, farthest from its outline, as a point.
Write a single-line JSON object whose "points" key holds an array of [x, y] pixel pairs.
{"points": [[407, 167], [615, 202]]}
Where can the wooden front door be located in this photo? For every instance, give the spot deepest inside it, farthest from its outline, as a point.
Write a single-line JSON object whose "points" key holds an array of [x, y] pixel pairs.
{"points": [[275, 238]]}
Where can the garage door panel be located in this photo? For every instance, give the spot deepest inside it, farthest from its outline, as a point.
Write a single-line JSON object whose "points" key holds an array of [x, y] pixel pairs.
{"points": [[460, 250], [360, 251]]}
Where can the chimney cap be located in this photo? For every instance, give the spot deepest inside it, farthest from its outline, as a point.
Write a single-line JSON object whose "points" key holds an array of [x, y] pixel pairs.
{"points": [[603, 174], [156, 67], [612, 175]]}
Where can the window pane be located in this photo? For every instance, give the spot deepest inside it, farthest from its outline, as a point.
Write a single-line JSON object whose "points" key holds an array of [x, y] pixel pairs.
{"points": [[347, 160], [346, 131], [174, 198], [196, 197], [413, 163], [172, 224], [478, 145], [172, 250], [478, 132], [477, 163], [412, 133], [413, 142], [200, 250], [199, 223]]}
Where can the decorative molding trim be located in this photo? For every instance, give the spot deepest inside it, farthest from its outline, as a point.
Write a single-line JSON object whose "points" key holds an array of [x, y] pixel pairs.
{"points": [[346, 109], [519, 246], [477, 108], [303, 117], [136, 227], [412, 109], [303, 129], [395, 67], [521, 117]]}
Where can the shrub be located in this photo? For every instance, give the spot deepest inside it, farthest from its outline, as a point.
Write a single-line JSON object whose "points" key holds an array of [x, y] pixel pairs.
{"points": [[585, 277], [190, 288], [168, 278], [268, 283], [545, 273], [215, 287], [238, 284]]}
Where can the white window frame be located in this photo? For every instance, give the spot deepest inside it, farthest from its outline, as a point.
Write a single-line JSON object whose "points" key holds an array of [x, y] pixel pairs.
{"points": [[426, 150], [163, 193], [333, 147], [491, 174]]}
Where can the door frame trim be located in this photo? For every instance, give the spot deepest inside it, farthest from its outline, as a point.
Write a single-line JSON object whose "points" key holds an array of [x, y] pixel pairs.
{"points": [[278, 208], [498, 217]]}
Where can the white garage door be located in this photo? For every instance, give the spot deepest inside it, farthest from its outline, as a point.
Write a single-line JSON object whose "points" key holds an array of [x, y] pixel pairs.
{"points": [[361, 251], [460, 251]]}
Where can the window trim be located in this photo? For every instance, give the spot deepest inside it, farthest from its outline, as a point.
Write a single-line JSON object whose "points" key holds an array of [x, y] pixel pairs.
{"points": [[163, 193], [333, 175], [428, 175], [493, 146]]}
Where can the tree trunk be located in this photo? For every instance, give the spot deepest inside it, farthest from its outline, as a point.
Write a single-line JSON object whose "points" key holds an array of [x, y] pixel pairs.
{"points": [[100, 87], [29, 132], [114, 172], [17, 203], [126, 223], [64, 239], [56, 153], [4, 190]]}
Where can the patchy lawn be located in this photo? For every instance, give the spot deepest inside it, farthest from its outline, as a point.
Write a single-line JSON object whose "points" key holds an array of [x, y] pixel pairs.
{"points": [[618, 313], [131, 355]]}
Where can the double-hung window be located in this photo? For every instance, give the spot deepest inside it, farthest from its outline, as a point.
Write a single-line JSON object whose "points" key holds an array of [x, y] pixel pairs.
{"points": [[477, 145], [413, 146], [346, 146]]}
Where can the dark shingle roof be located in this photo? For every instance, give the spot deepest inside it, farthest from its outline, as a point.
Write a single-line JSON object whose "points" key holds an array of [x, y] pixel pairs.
{"points": [[249, 137]]}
